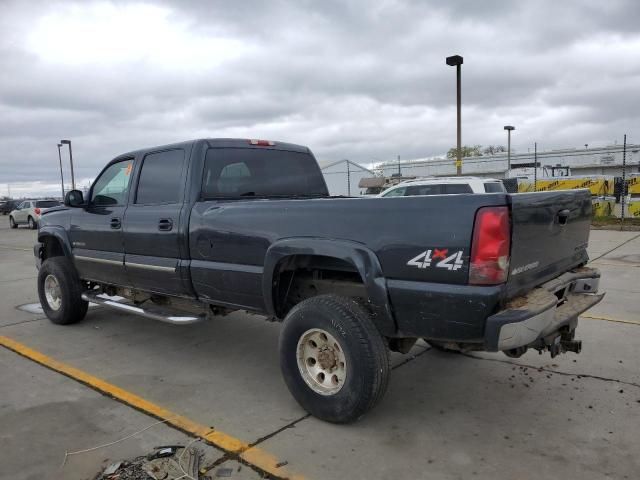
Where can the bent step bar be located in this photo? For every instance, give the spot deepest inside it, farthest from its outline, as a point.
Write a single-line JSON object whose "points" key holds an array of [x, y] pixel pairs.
{"points": [[154, 312]]}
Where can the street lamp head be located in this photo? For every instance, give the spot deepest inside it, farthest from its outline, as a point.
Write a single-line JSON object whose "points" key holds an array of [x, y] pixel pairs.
{"points": [[454, 60], [509, 127], [65, 142]]}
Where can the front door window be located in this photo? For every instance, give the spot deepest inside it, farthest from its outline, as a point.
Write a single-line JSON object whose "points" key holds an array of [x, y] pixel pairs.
{"points": [[112, 186]]}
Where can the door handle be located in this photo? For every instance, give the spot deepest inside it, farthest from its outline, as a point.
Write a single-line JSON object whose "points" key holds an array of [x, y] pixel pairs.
{"points": [[165, 224], [563, 216], [115, 223]]}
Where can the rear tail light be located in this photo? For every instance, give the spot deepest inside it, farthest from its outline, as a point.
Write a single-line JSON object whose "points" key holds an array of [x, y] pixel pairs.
{"points": [[490, 248], [262, 143], [37, 211]]}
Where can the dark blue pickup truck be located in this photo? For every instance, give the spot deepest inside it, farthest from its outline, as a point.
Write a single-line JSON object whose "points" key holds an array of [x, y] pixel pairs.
{"points": [[183, 232]]}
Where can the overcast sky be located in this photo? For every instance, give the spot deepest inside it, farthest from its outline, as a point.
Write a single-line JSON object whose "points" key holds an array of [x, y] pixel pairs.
{"points": [[362, 80]]}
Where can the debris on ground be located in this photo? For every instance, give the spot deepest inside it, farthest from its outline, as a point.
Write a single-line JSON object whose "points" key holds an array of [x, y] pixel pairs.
{"points": [[165, 463], [224, 472]]}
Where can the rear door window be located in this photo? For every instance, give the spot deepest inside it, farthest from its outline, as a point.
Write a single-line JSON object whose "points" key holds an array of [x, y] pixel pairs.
{"points": [[432, 189], [494, 187], [453, 188], [161, 179]]}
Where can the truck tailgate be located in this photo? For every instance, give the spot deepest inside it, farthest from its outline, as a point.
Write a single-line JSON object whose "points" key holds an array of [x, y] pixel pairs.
{"points": [[550, 232]]}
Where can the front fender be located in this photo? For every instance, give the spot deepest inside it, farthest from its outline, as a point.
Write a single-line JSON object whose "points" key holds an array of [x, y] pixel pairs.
{"points": [[57, 232], [363, 259]]}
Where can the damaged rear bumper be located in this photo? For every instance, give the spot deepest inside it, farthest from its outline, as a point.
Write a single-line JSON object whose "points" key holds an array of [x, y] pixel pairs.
{"points": [[547, 316]]}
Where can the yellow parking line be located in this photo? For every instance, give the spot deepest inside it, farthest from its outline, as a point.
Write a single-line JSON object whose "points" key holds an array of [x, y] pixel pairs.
{"points": [[609, 319], [252, 455]]}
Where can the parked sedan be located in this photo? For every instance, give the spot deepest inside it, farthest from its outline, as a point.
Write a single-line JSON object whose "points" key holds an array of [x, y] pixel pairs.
{"points": [[29, 212]]}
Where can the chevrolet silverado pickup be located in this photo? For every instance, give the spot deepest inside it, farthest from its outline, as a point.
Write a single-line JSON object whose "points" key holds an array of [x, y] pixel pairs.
{"points": [[185, 232]]}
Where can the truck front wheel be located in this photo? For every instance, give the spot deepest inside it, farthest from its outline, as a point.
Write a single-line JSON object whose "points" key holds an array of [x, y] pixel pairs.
{"points": [[333, 359], [60, 290]]}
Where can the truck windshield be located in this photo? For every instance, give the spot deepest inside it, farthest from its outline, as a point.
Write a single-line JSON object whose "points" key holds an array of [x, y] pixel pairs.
{"points": [[257, 172]]}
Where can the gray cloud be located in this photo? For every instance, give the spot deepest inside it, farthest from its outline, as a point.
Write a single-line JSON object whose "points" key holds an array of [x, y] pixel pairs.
{"points": [[359, 80]]}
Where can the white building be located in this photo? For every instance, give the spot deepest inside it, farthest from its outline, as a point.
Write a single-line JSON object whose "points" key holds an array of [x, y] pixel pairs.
{"points": [[342, 177], [585, 161]]}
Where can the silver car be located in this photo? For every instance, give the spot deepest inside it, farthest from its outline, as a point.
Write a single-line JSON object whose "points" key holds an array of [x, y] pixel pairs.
{"points": [[29, 212]]}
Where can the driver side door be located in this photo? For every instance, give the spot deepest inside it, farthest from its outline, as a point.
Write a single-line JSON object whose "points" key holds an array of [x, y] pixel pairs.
{"points": [[96, 232]]}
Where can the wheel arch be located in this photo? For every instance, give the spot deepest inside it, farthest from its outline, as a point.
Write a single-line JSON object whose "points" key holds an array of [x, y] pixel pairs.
{"points": [[52, 242], [363, 261]]}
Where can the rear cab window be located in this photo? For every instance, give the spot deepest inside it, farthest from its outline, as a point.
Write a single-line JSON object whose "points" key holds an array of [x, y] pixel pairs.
{"points": [[260, 172]]}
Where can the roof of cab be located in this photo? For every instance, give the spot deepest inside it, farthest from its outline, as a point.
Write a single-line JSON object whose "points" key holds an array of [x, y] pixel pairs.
{"points": [[220, 143]]}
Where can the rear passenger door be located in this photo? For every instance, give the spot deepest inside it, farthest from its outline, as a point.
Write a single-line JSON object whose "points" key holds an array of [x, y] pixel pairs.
{"points": [[154, 228]]}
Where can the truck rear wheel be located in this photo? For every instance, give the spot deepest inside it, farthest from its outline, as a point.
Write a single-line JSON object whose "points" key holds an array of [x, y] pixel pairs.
{"points": [[60, 291], [333, 359]]}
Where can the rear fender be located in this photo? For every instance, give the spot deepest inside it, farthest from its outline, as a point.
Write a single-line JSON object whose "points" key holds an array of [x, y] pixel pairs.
{"points": [[363, 259]]}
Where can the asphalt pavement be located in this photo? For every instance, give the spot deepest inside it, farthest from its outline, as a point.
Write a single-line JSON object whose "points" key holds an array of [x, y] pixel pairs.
{"points": [[445, 416]]}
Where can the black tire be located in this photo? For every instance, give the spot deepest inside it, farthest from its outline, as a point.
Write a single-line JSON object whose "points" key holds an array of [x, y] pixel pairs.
{"points": [[364, 349], [32, 223], [12, 223], [72, 308]]}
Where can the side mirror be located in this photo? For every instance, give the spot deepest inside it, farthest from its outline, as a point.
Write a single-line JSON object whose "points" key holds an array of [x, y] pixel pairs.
{"points": [[74, 198]]}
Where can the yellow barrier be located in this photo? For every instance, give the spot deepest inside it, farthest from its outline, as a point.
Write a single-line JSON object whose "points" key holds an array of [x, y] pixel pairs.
{"points": [[598, 185], [633, 185], [633, 209], [603, 206]]}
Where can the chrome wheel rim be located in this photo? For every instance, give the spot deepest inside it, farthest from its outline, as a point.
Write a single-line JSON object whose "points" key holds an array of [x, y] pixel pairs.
{"points": [[52, 292], [31, 223], [321, 361]]}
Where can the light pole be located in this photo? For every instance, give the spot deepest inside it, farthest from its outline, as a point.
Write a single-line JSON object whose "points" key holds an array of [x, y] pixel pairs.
{"points": [[508, 128], [61, 177], [73, 178], [457, 60]]}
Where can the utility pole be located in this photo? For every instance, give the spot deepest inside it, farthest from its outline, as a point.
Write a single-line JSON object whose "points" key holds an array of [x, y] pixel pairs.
{"points": [[73, 178], [457, 61], [399, 169], [348, 179], [535, 167], [61, 176], [509, 128], [624, 179]]}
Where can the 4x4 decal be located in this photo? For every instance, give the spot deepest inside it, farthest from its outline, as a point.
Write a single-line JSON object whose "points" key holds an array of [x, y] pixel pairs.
{"points": [[429, 257]]}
